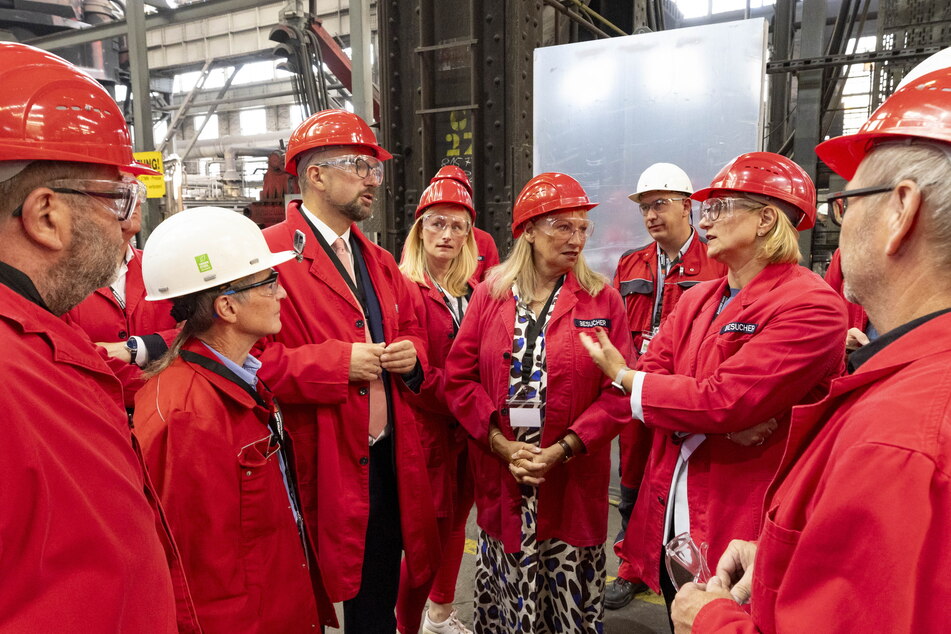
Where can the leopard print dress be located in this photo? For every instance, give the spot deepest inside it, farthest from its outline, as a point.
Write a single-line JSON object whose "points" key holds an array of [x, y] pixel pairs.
{"points": [[547, 587]]}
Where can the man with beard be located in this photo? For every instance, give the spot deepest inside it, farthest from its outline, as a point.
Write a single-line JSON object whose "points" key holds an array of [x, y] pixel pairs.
{"points": [[80, 549], [864, 490], [349, 350]]}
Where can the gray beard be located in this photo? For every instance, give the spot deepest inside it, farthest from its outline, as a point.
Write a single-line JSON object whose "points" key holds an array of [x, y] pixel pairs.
{"points": [[90, 264]]}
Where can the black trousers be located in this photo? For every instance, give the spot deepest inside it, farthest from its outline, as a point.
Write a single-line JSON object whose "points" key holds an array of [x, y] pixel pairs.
{"points": [[667, 588], [372, 610]]}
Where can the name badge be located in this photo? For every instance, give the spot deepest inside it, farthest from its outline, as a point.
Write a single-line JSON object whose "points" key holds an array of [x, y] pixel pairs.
{"points": [[525, 417], [739, 326], [593, 323]]}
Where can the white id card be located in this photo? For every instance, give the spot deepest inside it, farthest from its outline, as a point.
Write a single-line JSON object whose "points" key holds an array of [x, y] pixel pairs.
{"points": [[525, 417]]}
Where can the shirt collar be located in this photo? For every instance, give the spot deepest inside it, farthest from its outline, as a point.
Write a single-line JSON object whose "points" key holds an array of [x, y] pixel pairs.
{"points": [[248, 372], [21, 284], [866, 352], [326, 232], [661, 254]]}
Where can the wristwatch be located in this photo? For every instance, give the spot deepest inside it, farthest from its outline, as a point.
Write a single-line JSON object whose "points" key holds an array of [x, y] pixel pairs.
{"points": [[132, 345], [619, 379]]}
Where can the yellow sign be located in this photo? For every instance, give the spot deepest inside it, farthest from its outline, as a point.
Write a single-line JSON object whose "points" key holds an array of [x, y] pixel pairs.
{"points": [[155, 185]]}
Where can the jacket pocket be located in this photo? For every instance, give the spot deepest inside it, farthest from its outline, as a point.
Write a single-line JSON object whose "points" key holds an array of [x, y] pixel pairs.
{"points": [[773, 554], [639, 286]]}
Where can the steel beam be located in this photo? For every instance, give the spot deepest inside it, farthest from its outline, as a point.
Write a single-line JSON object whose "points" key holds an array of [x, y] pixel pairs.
{"points": [[831, 61], [360, 45], [211, 111]]}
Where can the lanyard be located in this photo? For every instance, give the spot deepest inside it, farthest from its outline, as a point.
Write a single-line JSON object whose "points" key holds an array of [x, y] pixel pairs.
{"points": [[358, 291], [118, 298], [456, 312], [533, 330]]}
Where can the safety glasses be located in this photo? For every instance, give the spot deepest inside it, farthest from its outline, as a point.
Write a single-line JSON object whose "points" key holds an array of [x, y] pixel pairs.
{"points": [[117, 197], [360, 164], [658, 205], [565, 229], [437, 224], [269, 286], [836, 204], [712, 208]]}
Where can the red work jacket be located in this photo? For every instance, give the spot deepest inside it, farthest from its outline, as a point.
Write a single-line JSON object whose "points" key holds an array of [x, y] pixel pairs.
{"points": [[636, 280], [79, 549], [573, 500], [102, 318], [778, 343], [205, 440], [307, 365], [863, 499], [488, 253], [857, 317], [444, 440]]}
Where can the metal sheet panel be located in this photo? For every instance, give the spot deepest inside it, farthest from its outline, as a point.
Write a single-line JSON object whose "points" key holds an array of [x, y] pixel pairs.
{"points": [[607, 109]]}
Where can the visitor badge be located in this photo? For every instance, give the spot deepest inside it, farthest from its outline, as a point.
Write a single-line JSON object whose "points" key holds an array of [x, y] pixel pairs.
{"points": [[525, 417]]}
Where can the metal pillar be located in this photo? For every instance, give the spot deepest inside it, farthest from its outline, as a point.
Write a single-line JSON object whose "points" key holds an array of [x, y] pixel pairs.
{"points": [[809, 103], [779, 84], [360, 46], [141, 100]]}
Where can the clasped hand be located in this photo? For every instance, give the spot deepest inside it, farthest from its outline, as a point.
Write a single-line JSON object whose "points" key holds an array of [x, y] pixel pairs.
{"points": [[527, 463], [368, 360]]}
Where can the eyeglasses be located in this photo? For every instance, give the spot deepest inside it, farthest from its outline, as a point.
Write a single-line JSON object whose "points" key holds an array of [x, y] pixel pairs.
{"points": [[657, 205], [438, 224], [360, 164], [564, 229], [269, 283], [836, 204], [712, 208], [117, 197]]}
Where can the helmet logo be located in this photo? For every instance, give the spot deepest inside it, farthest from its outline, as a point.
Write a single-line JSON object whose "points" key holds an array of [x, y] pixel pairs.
{"points": [[204, 264]]}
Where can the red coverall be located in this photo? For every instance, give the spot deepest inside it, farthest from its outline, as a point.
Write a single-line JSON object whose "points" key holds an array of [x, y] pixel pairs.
{"points": [[573, 500], [82, 547], [307, 367], [856, 530], [205, 440], [102, 318], [488, 253], [778, 343]]}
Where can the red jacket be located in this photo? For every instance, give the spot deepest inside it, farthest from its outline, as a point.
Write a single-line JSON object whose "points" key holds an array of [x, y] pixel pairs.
{"points": [[573, 500], [857, 317], [856, 533], [307, 366], [636, 278], [79, 550], [777, 344], [102, 319], [444, 440], [205, 440], [488, 252]]}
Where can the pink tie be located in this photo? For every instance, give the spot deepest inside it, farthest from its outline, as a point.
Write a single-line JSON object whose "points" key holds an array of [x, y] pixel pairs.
{"points": [[377, 391]]}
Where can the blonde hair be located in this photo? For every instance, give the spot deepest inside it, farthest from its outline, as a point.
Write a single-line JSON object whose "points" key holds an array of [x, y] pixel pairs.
{"points": [[781, 244], [463, 266], [519, 269]]}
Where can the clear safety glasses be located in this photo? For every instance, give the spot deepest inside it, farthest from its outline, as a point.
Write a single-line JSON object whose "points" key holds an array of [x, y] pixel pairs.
{"points": [[437, 224], [268, 286], [658, 205], [712, 208], [360, 164], [686, 561], [565, 229], [836, 204], [117, 197]]}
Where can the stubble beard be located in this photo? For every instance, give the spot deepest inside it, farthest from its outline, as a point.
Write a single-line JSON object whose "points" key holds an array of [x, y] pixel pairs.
{"points": [[91, 263], [355, 210]]}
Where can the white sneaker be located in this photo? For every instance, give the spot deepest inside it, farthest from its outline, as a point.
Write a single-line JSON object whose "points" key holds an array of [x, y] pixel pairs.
{"points": [[452, 625]]}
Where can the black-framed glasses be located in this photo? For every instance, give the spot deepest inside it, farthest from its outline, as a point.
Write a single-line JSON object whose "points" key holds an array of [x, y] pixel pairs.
{"points": [[269, 283], [836, 204], [658, 205], [117, 197]]}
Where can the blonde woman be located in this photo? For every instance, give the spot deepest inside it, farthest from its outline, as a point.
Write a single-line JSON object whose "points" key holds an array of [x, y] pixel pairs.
{"points": [[541, 417], [439, 261]]}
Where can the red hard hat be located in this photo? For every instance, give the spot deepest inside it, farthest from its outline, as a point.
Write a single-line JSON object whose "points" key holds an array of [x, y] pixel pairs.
{"points": [[919, 110], [455, 173], [545, 194], [52, 111], [331, 127], [445, 191], [767, 174]]}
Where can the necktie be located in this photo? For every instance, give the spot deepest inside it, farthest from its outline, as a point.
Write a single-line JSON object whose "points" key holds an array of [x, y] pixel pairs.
{"points": [[377, 393]]}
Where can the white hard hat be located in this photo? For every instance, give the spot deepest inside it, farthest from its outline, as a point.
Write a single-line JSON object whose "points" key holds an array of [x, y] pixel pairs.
{"points": [[202, 248], [664, 177], [939, 60]]}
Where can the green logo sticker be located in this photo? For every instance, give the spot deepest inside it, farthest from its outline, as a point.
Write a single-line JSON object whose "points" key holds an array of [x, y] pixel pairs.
{"points": [[204, 264]]}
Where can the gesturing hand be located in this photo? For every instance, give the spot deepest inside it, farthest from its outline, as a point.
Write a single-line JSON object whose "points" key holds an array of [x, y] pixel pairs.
{"points": [[608, 359], [365, 362]]}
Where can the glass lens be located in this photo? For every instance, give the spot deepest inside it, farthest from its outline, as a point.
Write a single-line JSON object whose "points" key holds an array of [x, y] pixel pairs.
{"points": [[438, 224], [564, 229], [117, 197]]}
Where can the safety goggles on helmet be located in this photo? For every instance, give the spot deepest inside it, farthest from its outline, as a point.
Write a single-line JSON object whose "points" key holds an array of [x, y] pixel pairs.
{"points": [[564, 228], [712, 208], [269, 283], [360, 164], [117, 197], [436, 223], [658, 205], [836, 204]]}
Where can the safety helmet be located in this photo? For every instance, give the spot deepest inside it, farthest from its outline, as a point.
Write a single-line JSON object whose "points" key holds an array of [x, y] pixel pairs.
{"points": [[919, 110], [662, 177], [202, 248], [455, 173], [329, 128], [941, 59], [52, 111], [547, 193], [767, 174], [445, 191]]}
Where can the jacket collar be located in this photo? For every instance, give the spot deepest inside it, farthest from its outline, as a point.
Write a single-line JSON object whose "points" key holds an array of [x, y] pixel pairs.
{"points": [[226, 387]]}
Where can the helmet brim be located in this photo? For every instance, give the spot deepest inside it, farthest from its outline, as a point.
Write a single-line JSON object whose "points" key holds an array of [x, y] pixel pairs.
{"points": [[844, 154]]}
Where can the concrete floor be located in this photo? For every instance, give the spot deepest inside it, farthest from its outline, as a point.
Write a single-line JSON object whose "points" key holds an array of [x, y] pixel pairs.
{"points": [[644, 615]]}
